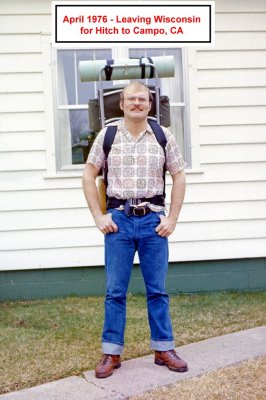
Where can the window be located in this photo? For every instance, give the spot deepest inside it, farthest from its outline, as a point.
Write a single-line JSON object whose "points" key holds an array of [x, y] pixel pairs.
{"points": [[73, 97]]}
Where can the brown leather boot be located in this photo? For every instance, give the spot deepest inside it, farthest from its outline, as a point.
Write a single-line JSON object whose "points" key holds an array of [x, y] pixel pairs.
{"points": [[171, 360], [106, 366]]}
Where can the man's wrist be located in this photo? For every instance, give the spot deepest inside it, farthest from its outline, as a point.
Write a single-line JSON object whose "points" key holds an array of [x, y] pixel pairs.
{"points": [[173, 217], [97, 215]]}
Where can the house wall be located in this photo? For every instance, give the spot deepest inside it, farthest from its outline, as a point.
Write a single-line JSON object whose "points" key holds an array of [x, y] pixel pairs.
{"points": [[44, 220]]}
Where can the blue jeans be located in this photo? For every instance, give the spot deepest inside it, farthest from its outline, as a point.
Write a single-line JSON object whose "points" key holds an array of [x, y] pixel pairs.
{"points": [[136, 234]]}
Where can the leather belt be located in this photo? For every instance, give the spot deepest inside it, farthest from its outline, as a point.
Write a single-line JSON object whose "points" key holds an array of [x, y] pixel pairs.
{"points": [[138, 211], [113, 202]]}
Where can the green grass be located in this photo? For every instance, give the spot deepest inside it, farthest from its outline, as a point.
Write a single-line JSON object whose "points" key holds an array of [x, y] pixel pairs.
{"points": [[244, 381], [44, 340]]}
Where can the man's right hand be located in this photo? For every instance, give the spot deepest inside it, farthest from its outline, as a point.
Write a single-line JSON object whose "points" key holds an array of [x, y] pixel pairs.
{"points": [[105, 223]]}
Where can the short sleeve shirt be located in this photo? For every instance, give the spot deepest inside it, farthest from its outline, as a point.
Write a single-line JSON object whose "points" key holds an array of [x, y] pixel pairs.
{"points": [[135, 164]]}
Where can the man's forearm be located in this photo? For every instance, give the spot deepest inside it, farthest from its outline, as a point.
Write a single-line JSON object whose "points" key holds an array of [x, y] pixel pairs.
{"points": [[91, 193], [177, 194], [103, 222]]}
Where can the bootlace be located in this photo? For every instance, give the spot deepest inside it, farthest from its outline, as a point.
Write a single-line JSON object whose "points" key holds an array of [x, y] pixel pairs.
{"points": [[105, 359], [174, 355]]}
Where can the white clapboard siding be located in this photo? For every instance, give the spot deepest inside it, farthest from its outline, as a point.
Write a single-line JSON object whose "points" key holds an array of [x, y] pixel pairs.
{"points": [[13, 181], [226, 211], [235, 78], [86, 256], [184, 232], [23, 160], [229, 97], [20, 44], [218, 230], [73, 198], [44, 219], [225, 22], [240, 40], [217, 249], [23, 122], [42, 199], [227, 153], [32, 180], [229, 191], [25, 7], [21, 82], [236, 172], [241, 59], [53, 258], [232, 115], [238, 134], [80, 217], [240, 6], [24, 24], [21, 141], [21, 102], [50, 238], [17, 63]]}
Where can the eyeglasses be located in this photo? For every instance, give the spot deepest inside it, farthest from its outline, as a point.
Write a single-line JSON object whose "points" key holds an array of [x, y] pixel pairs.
{"points": [[133, 99]]}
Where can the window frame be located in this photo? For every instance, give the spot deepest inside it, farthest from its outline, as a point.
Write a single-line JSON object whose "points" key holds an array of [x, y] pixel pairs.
{"points": [[191, 153]]}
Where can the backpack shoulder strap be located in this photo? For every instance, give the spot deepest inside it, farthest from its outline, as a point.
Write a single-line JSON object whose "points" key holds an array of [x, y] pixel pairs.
{"points": [[108, 139], [159, 133], [107, 144], [161, 139]]}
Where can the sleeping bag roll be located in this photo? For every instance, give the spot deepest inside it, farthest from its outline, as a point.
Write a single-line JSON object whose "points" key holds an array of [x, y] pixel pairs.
{"points": [[129, 68]]}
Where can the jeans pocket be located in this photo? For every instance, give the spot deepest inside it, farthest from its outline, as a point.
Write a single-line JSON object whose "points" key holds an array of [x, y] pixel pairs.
{"points": [[158, 215]]}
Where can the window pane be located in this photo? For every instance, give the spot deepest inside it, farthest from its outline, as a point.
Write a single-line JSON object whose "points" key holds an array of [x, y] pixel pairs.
{"points": [[85, 90], [78, 126], [71, 91], [66, 77], [88, 90], [73, 126]]}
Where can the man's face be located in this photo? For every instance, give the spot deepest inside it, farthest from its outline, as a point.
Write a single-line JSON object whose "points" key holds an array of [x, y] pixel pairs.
{"points": [[135, 104]]}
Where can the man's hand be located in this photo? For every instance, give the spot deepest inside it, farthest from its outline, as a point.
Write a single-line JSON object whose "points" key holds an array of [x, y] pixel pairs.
{"points": [[105, 223], [166, 227]]}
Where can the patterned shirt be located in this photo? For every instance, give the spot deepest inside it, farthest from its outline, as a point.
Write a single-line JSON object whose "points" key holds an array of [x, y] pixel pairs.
{"points": [[135, 164]]}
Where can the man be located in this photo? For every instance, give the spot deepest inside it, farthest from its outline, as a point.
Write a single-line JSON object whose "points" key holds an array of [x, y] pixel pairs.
{"points": [[135, 221]]}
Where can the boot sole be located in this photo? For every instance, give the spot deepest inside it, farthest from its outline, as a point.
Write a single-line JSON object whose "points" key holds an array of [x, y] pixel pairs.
{"points": [[183, 369], [109, 373]]}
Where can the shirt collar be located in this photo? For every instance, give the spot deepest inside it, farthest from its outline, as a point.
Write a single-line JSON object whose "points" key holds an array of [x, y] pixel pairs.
{"points": [[122, 127]]}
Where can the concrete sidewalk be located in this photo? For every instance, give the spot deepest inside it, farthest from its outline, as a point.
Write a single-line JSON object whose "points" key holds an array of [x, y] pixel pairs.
{"points": [[141, 374]]}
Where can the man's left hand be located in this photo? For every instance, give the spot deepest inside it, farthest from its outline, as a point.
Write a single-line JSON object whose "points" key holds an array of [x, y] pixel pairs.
{"points": [[166, 227]]}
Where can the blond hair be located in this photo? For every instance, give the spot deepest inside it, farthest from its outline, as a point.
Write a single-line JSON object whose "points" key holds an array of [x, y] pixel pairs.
{"points": [[137, 86]]}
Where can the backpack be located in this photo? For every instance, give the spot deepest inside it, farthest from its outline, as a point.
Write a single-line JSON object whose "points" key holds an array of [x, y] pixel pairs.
{"points": [[109, 139]]}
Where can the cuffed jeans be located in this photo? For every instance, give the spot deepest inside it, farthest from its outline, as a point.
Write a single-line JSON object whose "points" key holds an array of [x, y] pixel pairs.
{"points": [[136, 234]]}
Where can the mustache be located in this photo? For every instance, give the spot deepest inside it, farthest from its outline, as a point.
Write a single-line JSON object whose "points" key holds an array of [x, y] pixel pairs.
{"points": [[136, 107]]}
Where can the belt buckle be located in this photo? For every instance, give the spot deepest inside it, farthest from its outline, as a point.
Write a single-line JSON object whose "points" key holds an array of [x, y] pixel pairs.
{"points": [[139, 211]]}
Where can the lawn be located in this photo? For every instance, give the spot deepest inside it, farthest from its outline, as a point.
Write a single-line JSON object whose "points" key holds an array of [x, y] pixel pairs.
{"points": [[245, 381], [45, 340]]}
